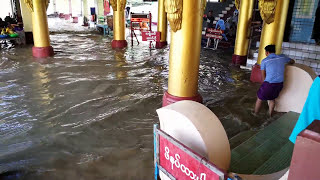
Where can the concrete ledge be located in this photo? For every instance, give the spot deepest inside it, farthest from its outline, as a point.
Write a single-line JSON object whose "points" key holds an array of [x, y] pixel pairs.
{"points": [[305, 161]]}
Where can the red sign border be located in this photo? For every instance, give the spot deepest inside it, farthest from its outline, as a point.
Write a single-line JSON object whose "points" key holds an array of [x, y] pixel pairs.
{"points": [[184, 148]]}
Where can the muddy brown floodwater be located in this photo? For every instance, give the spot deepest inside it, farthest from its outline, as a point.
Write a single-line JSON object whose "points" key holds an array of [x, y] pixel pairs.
{"points": [[88, 112]]}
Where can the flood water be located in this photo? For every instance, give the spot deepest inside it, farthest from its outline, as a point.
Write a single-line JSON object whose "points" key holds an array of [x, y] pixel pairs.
{"points": [[88, 112]]}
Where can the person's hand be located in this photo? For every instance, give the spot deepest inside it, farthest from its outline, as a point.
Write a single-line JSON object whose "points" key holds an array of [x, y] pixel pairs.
{"points": [[291, 61]]}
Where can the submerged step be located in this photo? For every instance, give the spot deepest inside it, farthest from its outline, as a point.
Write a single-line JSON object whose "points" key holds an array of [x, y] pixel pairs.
{"points": [[249, 156], [240, 138], [279, 160]]}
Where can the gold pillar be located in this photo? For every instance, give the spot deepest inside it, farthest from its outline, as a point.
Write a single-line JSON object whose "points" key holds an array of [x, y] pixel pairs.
{"points": [[119, 39], [26, 17], [162, 21], [118, 25], [243, 30], [273, 33], [85, 8], [184, 57], [40, 24], [118, 7]]}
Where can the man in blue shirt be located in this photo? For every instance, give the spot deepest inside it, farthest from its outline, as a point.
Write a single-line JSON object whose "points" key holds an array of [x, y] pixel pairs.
{"points": [[272, 69]]}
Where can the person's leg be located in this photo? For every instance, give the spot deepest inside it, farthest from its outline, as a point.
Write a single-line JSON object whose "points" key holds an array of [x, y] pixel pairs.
{"points": [[271, 107], [257, 106], [225, 37]]}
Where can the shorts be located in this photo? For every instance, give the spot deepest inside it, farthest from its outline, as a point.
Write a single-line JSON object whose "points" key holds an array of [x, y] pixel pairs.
{"points": [[269, 91]]}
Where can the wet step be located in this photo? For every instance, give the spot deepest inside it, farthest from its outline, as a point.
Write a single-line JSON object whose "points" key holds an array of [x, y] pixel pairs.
{"points": [[261, 150], [279, 160], [240, 138]]}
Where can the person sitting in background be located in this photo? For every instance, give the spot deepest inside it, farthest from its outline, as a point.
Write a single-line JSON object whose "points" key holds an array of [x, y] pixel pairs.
{"points": [[235, 17], [220, 25], [209, 19], [2, 23], [10, 20], [272, 69]]}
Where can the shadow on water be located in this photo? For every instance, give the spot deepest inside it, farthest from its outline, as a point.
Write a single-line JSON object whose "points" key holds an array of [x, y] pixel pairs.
{"points": [[87, 112]]}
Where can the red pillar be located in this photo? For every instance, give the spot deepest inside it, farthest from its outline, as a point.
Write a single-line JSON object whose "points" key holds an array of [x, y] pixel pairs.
{"points": [[256, 75]]}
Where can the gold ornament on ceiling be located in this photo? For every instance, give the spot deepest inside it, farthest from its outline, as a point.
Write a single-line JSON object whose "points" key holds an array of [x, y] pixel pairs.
{"points": [[29, 4], [237, 3], [113, 3], [174, 13], [267, 10]]}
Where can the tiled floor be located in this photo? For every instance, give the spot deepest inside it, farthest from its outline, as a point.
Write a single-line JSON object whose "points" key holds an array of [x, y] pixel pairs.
{"points": [[267, 151]]}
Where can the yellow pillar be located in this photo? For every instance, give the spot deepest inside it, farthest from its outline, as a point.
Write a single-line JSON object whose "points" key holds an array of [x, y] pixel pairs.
{"points": [[118, 7], [100, 8], [41, 38], [273, 33], [27, 22], [40, 24], [162, 24], [243, 32], [185, 17], [85, 8]]}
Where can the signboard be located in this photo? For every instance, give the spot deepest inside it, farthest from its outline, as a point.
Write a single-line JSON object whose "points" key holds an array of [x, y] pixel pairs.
{"points": [[214, 36], [139, 20], [214, 33], [179, 162], [151, 36]]}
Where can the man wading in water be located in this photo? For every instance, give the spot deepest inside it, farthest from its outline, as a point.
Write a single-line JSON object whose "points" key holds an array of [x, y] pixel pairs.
{"points": [[272, 69]]}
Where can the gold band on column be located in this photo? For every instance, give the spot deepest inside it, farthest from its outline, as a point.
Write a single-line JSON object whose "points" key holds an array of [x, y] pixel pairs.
{"points": [[273, 33]]}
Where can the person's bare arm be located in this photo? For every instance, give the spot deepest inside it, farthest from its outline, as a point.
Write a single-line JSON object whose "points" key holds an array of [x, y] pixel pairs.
{"points": [[263, 73]]}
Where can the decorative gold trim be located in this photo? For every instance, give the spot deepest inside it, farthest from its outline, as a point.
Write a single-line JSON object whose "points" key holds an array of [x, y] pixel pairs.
{"points": [[113, 3], [174, 13], [123, 4], [29, 4], [267, 10], [47, 3], [204, 4], [237, 3]]}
